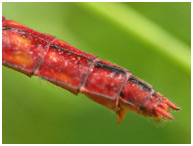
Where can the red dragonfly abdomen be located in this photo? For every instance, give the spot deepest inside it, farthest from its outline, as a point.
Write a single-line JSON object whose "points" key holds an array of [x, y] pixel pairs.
{"points": [[34, 53]]}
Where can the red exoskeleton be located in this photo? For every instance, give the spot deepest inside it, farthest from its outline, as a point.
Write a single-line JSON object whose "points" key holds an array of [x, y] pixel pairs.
{"points": [[34, 53]]}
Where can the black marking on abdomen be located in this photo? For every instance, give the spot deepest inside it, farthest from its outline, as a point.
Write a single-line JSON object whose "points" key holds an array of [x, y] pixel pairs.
{"points": [[100, 64], [13, 29], [143, 85], [66, 50], [109, 67], [6, 28]]}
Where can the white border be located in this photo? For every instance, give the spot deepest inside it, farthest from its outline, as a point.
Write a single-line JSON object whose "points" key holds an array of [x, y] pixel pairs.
{"points": [[88, 1]]}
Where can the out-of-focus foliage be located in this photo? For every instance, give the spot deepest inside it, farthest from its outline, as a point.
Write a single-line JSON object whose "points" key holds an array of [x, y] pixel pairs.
{"points": [[35, 111]]}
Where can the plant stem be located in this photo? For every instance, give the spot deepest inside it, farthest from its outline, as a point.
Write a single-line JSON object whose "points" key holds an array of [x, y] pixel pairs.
{"points": [[144, 30]]}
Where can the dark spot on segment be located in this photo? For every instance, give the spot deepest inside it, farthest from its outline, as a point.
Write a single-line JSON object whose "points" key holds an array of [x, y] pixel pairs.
{"points": [[130, 99], [154, 94], [109, 67], [121, 94], [143, 85]]}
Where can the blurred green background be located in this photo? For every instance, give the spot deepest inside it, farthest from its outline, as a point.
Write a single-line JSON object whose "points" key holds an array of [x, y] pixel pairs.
{"points": [[152, 40]]}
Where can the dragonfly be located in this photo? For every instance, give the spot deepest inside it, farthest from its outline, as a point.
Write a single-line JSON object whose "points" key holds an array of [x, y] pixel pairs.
{"points": [[36, 54]]}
